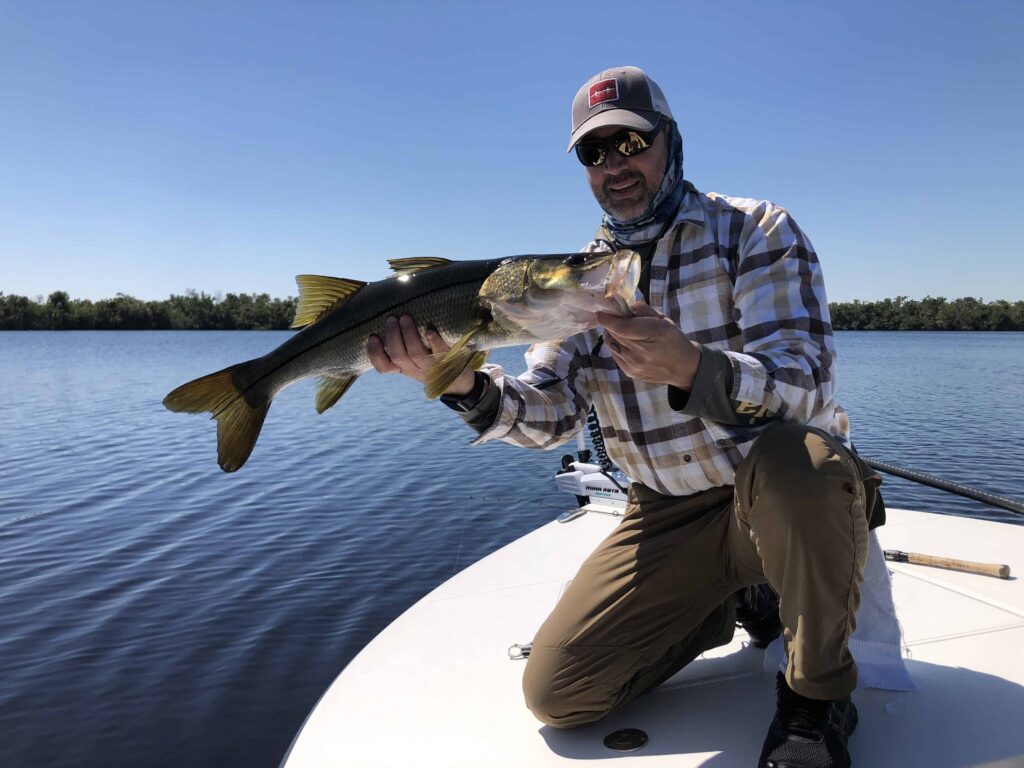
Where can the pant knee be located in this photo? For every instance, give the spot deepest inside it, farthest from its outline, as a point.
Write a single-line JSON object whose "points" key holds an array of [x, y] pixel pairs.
{"points": [[786, 449], [796, 472], [555, 695]]}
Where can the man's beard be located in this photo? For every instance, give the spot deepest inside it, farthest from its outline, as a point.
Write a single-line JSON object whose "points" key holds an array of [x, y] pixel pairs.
{"points": [[626, 208]]}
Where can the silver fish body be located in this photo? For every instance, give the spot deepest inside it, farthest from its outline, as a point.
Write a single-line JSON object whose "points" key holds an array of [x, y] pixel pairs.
{"points": [[474, 305]]}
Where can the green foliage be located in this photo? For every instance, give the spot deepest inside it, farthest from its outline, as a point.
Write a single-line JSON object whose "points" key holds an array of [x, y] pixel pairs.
{"points": [[929, 314], [193, 311], [245, 312]]}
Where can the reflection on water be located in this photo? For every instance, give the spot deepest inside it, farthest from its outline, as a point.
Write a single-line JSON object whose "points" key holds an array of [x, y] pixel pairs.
{"points": [[158, 611]]}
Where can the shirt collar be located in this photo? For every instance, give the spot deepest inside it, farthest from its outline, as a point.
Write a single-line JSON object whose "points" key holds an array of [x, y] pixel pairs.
{"points": [[691, 210]]}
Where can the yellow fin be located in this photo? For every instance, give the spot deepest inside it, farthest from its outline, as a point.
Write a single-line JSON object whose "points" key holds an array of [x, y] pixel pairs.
{"points": [[478, 359], [238, 422], [318, 295], [416, 264], [451, 365], [330, 389]]}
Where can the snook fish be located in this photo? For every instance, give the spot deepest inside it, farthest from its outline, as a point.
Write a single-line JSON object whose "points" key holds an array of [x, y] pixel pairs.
{"points": [[474, 305]]}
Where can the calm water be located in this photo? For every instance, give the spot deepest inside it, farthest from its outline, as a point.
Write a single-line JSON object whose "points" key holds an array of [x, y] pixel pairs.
{"points": [[159, 612]]}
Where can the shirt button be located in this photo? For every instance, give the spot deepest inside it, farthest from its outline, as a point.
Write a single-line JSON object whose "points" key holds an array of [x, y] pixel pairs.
{"points": [[687, 458]]}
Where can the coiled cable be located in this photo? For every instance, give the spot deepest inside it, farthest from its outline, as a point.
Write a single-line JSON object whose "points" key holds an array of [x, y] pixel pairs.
{"points": [[597, 440]]}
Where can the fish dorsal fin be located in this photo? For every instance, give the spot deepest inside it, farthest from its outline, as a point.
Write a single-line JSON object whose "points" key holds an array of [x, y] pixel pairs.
{"points": [[318, 295], [416, 264]]}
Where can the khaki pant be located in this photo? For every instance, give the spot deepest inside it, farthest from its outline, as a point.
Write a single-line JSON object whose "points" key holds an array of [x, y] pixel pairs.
{"points": [[657, 591]]}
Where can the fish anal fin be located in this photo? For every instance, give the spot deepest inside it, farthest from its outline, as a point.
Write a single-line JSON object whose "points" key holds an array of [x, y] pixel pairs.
{"points": [[450, 366], [330, 389], [416, 264], [319, 294]]}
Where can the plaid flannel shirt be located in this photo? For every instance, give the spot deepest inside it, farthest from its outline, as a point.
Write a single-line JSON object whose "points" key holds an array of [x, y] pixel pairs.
{"points": [[742, 280]]}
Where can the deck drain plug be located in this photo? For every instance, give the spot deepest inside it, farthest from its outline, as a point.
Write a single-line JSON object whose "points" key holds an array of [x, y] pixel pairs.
{"points": [[626, 740]]}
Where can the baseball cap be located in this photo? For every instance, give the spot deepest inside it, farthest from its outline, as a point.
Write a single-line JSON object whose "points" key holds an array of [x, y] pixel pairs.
{"points": [[623, 96]]}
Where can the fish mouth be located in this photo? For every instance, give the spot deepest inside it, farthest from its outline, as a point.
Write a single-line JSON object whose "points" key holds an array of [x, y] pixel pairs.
{"points": [[624, 277], [615, 277], [581, 272], [553, 297], [601, 281]]}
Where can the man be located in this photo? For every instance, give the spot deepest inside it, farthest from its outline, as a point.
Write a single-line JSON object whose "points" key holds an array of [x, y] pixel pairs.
{"points": [[716, 399]]}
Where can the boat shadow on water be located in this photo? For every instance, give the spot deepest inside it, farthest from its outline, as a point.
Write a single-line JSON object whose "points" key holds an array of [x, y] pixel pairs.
{"points": [[957, 717]]}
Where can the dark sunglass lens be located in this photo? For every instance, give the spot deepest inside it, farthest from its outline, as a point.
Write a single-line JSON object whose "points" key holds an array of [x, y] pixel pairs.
{"points": [[633, 143], [627, 143], [590, 152]]}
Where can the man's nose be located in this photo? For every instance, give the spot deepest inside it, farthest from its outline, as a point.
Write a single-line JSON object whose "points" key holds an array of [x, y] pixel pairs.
{"points": [[614, 162]]}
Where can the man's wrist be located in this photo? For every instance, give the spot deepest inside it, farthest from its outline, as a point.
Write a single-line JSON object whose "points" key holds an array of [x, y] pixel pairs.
{"points": [[689, 364], [466, 401], [463, 385]]}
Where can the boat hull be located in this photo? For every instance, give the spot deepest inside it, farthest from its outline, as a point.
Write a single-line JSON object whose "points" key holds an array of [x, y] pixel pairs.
{"points": [[437, 687]]}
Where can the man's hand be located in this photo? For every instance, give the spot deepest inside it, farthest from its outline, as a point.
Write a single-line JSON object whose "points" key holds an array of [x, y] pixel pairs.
{"points": [[650, 347], [404, 351]]}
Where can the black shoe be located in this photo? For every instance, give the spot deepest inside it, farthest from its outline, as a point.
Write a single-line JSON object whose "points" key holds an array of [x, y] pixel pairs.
{"points": [[808, 733], [757, 612]]}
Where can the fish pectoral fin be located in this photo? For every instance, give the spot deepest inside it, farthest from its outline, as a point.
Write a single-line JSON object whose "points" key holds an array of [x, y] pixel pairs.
{"points": [[452, 363], [330, 389], [238, 422], [449, 368], [318, 295], [416, 264]]}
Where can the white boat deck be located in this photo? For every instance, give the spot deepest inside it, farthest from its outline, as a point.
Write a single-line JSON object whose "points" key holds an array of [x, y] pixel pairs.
{"points": [[437, 687]]}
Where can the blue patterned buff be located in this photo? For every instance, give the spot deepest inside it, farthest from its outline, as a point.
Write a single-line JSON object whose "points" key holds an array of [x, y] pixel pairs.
{"points": [[652, 223]]}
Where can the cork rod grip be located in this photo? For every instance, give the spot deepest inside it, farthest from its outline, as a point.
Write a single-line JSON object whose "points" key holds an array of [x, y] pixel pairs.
{"points": [[1000, 571]]}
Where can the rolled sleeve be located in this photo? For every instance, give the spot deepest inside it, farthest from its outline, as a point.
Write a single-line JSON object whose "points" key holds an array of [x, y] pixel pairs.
{"points": [[714, 396], [545, 406]]}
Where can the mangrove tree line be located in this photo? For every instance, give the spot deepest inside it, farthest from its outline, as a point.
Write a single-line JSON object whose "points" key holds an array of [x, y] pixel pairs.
{"points": [[202, 311], [193, 311]]}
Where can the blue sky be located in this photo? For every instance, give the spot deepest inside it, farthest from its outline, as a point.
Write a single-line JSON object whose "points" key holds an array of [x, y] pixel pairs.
{"points": [[149, 148]]}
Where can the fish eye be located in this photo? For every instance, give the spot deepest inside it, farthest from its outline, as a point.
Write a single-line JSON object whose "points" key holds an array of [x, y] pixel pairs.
{"points": [[575, 260]]}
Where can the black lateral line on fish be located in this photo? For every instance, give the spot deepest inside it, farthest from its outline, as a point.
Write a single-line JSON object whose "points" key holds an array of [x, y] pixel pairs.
{"points": [[385, 313], [388, 310]]}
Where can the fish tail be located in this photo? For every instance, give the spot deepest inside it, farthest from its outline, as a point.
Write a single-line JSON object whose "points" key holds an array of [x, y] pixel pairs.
{"points": [[238, 421]]}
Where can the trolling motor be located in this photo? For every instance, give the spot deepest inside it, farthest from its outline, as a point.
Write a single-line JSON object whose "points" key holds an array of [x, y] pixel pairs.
{"points": [[597, 487], [589, 482]]}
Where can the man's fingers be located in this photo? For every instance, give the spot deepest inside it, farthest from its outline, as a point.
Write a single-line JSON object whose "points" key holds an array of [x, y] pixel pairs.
{"points": [[378, 357], [625, 328], [395, 344], [438, 346], [617, 324], [623, 360], [643, 309], [414, 345], [613, 342], [402, 349]]}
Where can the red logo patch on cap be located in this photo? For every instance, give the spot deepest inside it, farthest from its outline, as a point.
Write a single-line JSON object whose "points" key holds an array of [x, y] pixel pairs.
{"points": [[603, 90]]}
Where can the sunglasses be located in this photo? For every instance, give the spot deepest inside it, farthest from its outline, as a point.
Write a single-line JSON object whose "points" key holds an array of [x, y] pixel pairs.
{"points": [[628, 143]]}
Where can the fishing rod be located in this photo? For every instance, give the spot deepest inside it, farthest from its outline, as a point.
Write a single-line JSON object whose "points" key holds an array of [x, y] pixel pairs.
{"points": [[1003, 502]]}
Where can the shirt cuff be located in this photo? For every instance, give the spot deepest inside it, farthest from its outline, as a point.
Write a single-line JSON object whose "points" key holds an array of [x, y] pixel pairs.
{"points": [[711, 395], [711, 384], [480, 406]]}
